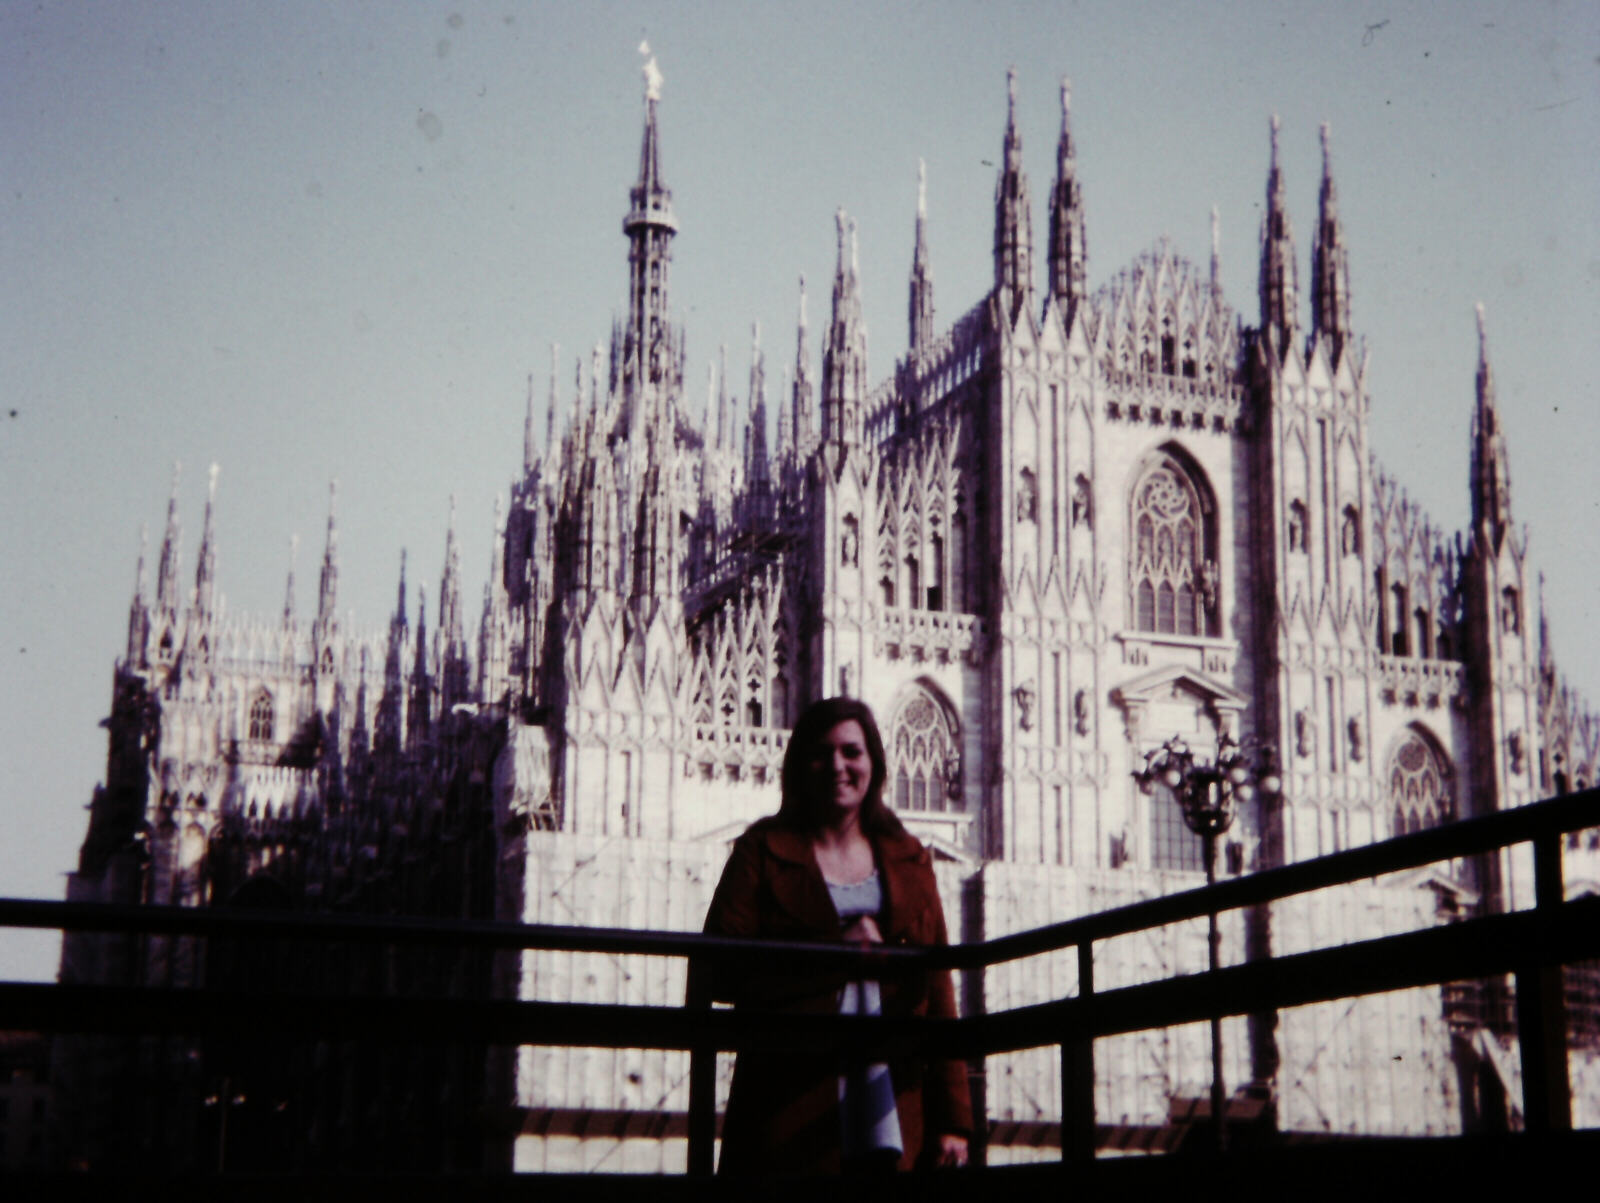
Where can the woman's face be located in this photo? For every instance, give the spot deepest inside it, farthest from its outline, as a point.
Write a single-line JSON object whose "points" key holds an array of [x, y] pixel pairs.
{"points": [[841, 768]]}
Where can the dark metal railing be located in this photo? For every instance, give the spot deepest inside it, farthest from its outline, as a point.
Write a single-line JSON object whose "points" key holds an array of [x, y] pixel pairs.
{"points": [[1530, 944]]}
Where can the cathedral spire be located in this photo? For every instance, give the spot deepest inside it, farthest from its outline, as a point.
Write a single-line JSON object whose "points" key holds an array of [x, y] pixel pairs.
{"points": [[647, 349], [419, 725], [529, 451], [550, 409], [400, 599], [921, 279], [171, 552], [452, 626], [1216, 252], [1013, 218], [205, 574], [757, 474], [138, 610], [288, 588], [844, 355], [1279, 283], [1330, 265], [801, 410], [1067, 253], [723, 434], [1491, 466], [328, 588]]}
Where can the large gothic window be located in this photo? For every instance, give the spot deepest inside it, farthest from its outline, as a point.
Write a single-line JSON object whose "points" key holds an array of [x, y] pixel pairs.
{"points": [[1419, 784], [1172, 574], [261, 716], [924, 755]]}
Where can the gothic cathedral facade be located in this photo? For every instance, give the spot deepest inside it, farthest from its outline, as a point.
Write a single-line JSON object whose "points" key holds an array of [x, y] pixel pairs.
{"points": [[1066, 527]]}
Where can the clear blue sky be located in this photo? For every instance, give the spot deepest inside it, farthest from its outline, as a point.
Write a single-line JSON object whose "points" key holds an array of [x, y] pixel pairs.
{"points": [[309, 241]]}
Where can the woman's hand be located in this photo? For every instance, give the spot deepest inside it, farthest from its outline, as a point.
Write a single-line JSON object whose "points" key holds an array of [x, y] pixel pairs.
{"points": [[952, 1150], [863, 929]]}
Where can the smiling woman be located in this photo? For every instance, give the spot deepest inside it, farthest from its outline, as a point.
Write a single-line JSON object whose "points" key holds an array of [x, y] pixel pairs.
{"points": [[835, 863]]}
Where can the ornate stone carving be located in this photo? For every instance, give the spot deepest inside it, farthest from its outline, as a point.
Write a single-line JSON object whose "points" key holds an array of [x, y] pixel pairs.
{"points": [[1305, 734], [1081, 712], [1025, 697]]}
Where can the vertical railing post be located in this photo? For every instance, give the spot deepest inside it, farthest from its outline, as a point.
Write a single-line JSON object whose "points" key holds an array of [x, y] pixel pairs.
{"points": [[702, 1073], [1541, 1008], [1077, 1070]]}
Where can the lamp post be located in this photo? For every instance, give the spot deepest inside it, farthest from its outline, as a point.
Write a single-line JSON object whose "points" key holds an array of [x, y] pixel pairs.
{"points": [[1208, 795]]}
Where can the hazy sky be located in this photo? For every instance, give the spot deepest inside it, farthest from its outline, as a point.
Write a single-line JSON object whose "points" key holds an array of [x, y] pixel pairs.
{"points": [[310, 241]]}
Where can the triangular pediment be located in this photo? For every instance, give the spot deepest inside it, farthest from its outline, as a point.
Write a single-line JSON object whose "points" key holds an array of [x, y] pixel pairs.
{"points": [[1177, 681]]}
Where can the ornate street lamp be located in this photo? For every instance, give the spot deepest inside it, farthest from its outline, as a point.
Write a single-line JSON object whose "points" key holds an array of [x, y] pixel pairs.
{"points": [[1208, 795]]}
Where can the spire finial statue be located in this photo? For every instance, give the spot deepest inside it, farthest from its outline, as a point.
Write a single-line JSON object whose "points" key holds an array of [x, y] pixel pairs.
{"points": [[840, 221], [652, 74], [922, 188], [211, 481], [1276, 125], [1011, 89], [1066, 96], [1483, 333], [802, 300]]}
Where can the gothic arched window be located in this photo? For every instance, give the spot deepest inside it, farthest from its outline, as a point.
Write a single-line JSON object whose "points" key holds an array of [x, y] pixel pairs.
{"points": [[1419, 784], [1172, 575], [924, 755], [261, 716]]}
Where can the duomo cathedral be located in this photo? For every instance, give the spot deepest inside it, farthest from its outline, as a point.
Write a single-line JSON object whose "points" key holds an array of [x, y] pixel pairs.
{"points": [[1078, 518]]}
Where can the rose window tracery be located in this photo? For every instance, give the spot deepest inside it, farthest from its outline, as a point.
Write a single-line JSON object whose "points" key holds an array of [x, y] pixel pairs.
{"points": [[1419, 785], [924, 756], [1168, 576]]}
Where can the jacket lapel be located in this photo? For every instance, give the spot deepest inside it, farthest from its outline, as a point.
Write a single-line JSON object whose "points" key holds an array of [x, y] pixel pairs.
{"points": [[797, 885]]}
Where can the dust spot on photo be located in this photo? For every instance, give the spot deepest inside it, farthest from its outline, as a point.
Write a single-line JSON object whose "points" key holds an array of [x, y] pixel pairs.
{"points": [[430, 125]]}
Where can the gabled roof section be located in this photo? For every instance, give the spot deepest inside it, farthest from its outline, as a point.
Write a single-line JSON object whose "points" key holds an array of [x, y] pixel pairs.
{"points": [[1163, 296]]}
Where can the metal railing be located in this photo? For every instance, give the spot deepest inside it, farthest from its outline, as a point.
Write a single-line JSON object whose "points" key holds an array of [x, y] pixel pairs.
{"points": [[1530, 944]]}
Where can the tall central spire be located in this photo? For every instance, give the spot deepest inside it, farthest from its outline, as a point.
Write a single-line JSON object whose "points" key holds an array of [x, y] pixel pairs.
{"points": [[1491, 468], [1066, 216], [648, 352], [1330, 264], [921, 279], [844, 353], [1013, 219], [1279, 281]]}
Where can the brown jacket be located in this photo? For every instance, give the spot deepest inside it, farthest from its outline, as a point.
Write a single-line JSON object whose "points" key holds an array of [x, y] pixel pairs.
{"points": [[783, 1110]]}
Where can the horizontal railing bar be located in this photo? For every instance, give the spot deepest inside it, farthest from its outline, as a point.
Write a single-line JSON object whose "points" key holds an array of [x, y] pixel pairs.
{"points": [[1475, 948], [261, 1016], [1465, 838], [1470, 949], [493, 935]]}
